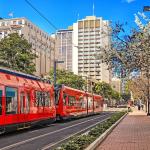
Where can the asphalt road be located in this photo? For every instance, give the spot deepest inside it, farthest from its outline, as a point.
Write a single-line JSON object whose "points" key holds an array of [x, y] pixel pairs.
{"points": [[49, 137]]}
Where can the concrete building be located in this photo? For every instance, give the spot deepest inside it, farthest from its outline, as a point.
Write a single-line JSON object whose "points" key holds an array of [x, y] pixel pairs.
{"points": [[88, 36], [116, 84], [64, 48], [42, 43]]}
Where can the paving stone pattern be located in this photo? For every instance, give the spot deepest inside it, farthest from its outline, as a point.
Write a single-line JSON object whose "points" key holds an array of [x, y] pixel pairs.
{"points": [[133, 133]]}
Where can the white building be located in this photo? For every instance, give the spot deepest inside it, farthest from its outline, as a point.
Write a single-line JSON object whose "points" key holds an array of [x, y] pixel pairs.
{"points": [[116, 84], [87, 38]]}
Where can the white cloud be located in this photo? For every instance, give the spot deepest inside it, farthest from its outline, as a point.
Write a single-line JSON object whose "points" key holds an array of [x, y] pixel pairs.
{"points": [[130, 1]]}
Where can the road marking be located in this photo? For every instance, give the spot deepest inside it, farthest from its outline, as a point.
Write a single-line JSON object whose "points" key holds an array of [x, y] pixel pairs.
{"points": [[46, 134], [53, 144], [33, 131], [43, 126]]}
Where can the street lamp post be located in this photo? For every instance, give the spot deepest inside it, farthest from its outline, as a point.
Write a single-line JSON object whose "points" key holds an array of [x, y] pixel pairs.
{"points": [[147, 8], [148, 91]]}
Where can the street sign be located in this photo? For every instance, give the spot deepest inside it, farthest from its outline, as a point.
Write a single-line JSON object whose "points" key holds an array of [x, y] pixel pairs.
{"points": [[59, 61]]}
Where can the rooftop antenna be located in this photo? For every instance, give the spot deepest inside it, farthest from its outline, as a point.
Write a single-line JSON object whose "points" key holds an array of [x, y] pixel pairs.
{"points": [[93, 8], [78, 17]]}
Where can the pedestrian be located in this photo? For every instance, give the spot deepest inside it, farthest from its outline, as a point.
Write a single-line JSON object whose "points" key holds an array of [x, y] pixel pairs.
{"points": [[139, 104], [142, 107], [128, 107]]}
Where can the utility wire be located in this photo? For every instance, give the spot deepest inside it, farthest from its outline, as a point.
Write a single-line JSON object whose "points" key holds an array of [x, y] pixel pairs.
{"points": [[49, 22], [37, 11]]}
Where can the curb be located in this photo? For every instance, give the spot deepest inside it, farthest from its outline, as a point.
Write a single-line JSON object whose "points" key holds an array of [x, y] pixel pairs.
{"points": [[99, 140]]}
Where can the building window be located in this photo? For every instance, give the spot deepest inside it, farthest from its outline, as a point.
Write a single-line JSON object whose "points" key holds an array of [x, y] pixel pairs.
{"points": [[86, 24], [91, 23], [25, 23], [8, 23], [20, 22], [97, 24], [11, 100], [28, 24], [3, 24], [14, 22], [80, 25]]}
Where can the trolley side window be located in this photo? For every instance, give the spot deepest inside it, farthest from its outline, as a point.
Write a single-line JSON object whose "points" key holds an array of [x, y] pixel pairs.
{"points": [[64, 99], [22, 95], [27, 102], [82, 103], [71, 101], [11, 100], [0, 102], [42, 99], [97, 104], [39, 99], [47, 99]]}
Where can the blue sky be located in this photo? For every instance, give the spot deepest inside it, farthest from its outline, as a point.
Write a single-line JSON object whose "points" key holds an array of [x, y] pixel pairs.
{"points": [[65, 12]]}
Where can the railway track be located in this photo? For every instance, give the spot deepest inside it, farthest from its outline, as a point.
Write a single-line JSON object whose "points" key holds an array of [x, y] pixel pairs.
{"points": [[51, 136]]}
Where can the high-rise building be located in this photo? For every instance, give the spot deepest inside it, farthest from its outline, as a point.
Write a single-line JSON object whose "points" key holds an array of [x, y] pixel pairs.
{"points": [[42, 43], [64, 48], [88, 35], [116, 84]]}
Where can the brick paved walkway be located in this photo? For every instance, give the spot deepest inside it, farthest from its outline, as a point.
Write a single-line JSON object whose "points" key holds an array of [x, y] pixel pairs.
{"points": [[133, 133]]}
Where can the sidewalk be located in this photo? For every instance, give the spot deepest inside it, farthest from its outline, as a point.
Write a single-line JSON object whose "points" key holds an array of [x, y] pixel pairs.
{"points": [[132, 133]]}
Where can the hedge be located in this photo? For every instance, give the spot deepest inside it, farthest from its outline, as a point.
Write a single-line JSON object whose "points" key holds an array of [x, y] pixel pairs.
{"points": [[82, 141]]}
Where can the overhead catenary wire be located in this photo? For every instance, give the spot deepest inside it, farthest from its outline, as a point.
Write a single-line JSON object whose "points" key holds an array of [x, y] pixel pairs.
{"points": [[43, 16], [46, 19], [37, 11]]}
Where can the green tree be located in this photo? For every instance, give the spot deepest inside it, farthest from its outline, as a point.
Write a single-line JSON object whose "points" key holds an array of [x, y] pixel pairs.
{"points": [[69, 79], [106, 90], [126, 96], [115, 95], [130, 50], [16, 53], [103, 89]]}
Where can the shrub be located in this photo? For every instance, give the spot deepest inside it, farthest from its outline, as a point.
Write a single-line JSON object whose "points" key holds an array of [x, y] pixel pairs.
{"points": [[71, 145], [97, 131], [82, 141], [130, 110]]}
